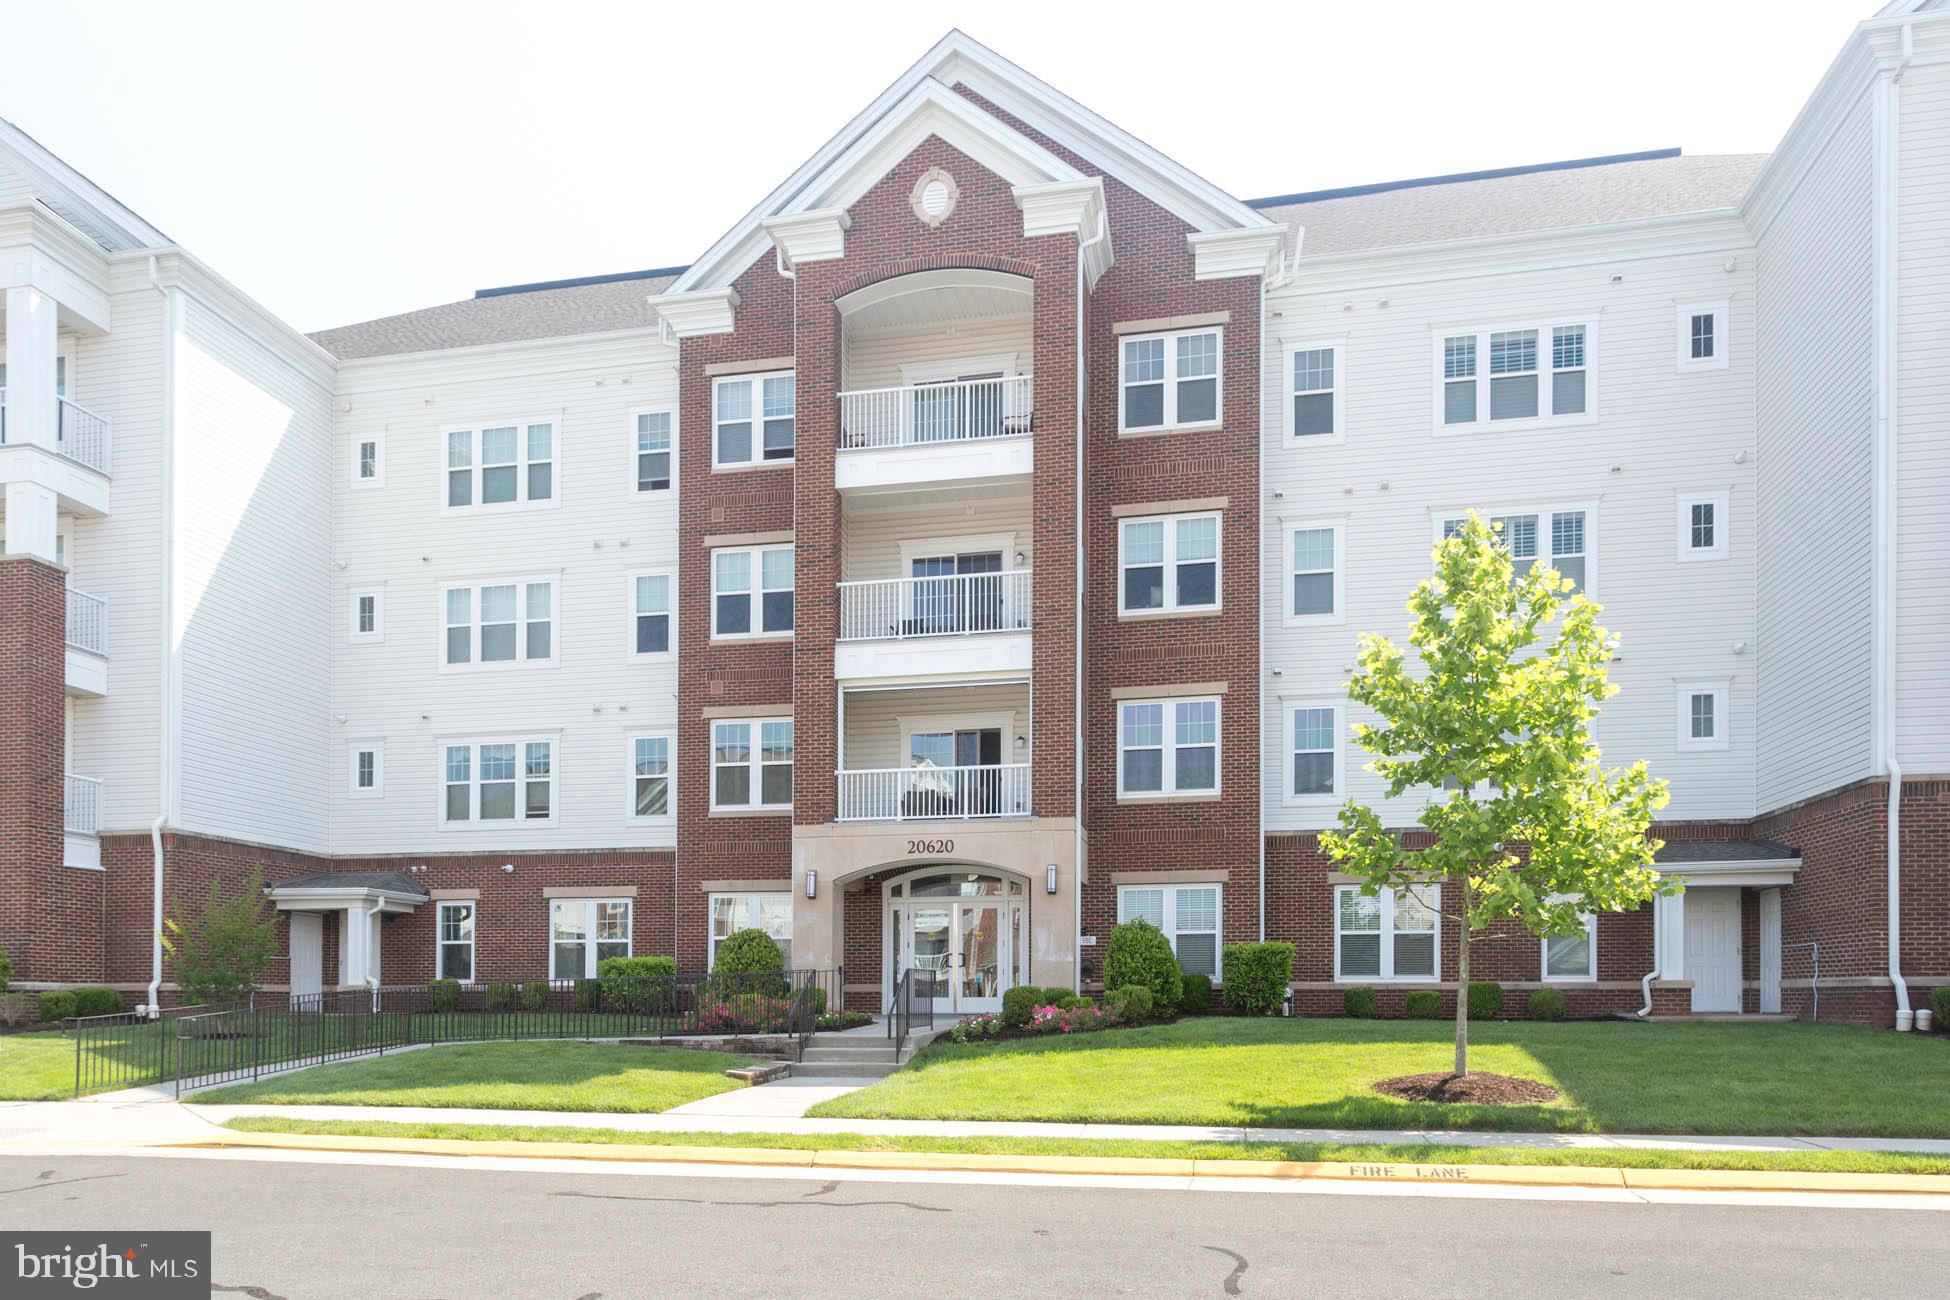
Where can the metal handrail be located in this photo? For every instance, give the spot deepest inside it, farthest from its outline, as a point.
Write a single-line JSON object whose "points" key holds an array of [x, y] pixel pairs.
{"points": [[955, 604]]}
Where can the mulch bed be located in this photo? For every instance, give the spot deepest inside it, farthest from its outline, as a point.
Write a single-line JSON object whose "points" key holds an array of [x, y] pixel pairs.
{"points": [[1476, 1089]]}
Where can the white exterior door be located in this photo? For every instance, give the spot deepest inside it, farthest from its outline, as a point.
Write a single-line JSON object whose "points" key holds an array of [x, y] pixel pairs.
{"points": [[963, 945], [307, 953], [1713, 948]]}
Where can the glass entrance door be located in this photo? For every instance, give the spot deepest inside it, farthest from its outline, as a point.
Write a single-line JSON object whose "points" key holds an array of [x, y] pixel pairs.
{"points": [[960, 944]]}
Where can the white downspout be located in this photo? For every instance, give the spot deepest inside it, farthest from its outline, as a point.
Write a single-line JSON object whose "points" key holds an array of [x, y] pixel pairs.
{"points": [[1888, 104], [1083, 587], [1658, 933], [1259, 632], [165, 776]]}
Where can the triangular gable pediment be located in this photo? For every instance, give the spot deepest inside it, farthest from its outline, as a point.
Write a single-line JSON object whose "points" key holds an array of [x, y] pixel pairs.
{"points": [[29, 168], [923, 103]]}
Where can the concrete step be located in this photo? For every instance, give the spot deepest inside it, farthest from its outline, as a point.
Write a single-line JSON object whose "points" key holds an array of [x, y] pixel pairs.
{"points": [[836, 1051], [844, 1069]]}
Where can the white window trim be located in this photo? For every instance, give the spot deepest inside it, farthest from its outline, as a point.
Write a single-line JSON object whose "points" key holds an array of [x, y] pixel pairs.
{"points": [[1288, 527], [441, 944], [1339, 348], [1545, 555], [934, 724], [756, 592], [1170, 562], [1170, 412], [636, 493], [589, 906], [1544, 954], [1169, 743], [629, 777], [1721, 689], [1686, 552], [378, 480], [521, 501], [1543, 419], [521, 659], [378, 750], [1430, 896], [1288, 706], [1683, 336], [378, 633], [517, 822], [757, 380], [752, 915], [754, 764], [630, 651], [1170, 916]]}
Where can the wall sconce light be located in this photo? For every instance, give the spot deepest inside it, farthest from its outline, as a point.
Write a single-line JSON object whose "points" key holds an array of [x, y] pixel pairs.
{"points": [[508, 867], [812, 884], [1020, 559], [1049, 879], [1022, 742]]}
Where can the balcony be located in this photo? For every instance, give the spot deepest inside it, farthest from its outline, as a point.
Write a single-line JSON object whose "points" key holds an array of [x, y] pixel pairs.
{"points": [[927, 793], [81, 820], [87, 645], [905, 609], [915, 415], [80, 435]]}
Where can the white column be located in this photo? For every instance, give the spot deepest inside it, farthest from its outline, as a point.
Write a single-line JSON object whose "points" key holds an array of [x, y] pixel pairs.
{"points": [[355, 945], [33, 513], [1672, 936], [1770, 951], [31, 358]]}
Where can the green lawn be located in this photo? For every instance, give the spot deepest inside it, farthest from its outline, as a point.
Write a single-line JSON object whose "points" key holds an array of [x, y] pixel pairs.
{"points": [[562, 1075], [1839, 1162], [1614, 1077], [36, 1067]]}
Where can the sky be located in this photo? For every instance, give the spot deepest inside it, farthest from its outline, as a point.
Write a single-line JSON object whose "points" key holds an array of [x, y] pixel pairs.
{"points": [[344, 161]]}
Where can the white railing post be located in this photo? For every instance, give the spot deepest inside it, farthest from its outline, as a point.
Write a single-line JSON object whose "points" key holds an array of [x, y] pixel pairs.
{"points": [[956, 604], [81, 805], [934, 793], [81, 435], [963, 410], [87, 622]]}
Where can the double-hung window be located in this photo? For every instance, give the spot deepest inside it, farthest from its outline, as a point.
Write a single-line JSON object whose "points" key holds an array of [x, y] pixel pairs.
{"points": [[495, 783], [650, 778], [1168, 563], [1313, 768], [1169, 381], [1702, 336], [770, 912], [499, 624], [501, 465], [1390, 935], [366, 770], [752, 418], [1188, 915], [651, 612], [1167, 747], [583, 931], [1314, 382], [456, 940], [1559, 539], [1517, 377], [1702, 526], [368, 615], [1314, 579], [1572, 956], [368, 461], [751, 764], [656, 450], [751, 592], [1702, 714]]}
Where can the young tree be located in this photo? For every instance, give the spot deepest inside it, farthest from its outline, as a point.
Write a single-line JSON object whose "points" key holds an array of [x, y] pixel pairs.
{"points": [[1526, 823], [220, 954]]}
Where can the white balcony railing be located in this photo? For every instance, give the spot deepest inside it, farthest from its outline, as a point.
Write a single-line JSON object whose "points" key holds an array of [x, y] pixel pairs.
{"points": [[964, 410], [87, 622], [898, 794], [962, 604], [80, 434], [81, 805]]}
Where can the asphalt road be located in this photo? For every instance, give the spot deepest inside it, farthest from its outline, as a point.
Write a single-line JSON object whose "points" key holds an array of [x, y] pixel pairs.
{"points": [[291, 1231]]}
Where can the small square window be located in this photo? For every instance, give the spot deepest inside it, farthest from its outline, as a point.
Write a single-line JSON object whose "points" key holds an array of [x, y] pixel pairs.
{"points": [[1701, 526], [1700, 331], [366, 770], [368, 460], [366, 615], [1702, 715]]}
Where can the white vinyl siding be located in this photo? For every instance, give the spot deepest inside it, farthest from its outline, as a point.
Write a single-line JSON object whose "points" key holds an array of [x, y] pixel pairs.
{"points": [[1388, 936], [1189, 915]]}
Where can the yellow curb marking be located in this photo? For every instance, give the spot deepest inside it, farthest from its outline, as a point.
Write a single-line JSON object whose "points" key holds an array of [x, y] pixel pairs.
{"points": [[1723, 1180]]}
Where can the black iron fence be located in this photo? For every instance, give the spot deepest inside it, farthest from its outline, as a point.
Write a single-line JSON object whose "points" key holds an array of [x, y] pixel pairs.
{"points": [[912, 1005], [194, 1047]]}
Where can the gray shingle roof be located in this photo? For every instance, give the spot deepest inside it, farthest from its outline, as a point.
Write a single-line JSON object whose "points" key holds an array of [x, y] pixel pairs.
{"points": [[1698, 851], [398, 882], [1533, 200], [501, 318]]}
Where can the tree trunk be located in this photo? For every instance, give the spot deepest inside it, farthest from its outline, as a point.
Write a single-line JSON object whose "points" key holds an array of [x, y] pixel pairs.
{"points": [[1462, 977]]}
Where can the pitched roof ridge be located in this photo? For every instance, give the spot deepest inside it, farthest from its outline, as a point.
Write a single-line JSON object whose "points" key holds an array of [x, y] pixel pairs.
{"points": [[1453, 178]]}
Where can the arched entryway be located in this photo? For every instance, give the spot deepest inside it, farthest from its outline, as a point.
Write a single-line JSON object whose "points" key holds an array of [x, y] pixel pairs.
{"points": [[965, 926]]}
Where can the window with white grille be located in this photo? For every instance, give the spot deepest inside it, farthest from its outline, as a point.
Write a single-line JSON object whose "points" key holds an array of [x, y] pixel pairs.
{"points": [[1520, 377], [1188, 915]]}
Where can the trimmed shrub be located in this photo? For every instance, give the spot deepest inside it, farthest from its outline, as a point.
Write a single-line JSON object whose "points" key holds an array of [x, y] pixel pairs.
{"points": [[589, 994], [6, 969], [1359, 1003], [638, 983], [443, 995], [1546, 1004], [1257, 976], [498, 996], [1422, 1004], [1485, 999], [97, 1002], [55, 1004], [1132, 1002], [1194, 994], [1138, 953], [752, 960], [1939, 1003], [534, 995], [1018, 1002]]}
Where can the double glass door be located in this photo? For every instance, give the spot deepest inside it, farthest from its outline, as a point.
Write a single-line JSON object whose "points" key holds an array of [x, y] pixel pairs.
{"points": [[956, 593], [960, 933]]}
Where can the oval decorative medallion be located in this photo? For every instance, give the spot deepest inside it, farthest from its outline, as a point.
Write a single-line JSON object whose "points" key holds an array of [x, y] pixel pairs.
{"points": [[934, 196]]}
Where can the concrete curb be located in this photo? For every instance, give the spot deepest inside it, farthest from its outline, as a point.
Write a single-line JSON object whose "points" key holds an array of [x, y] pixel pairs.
{"points": [[1717, 1180]]}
